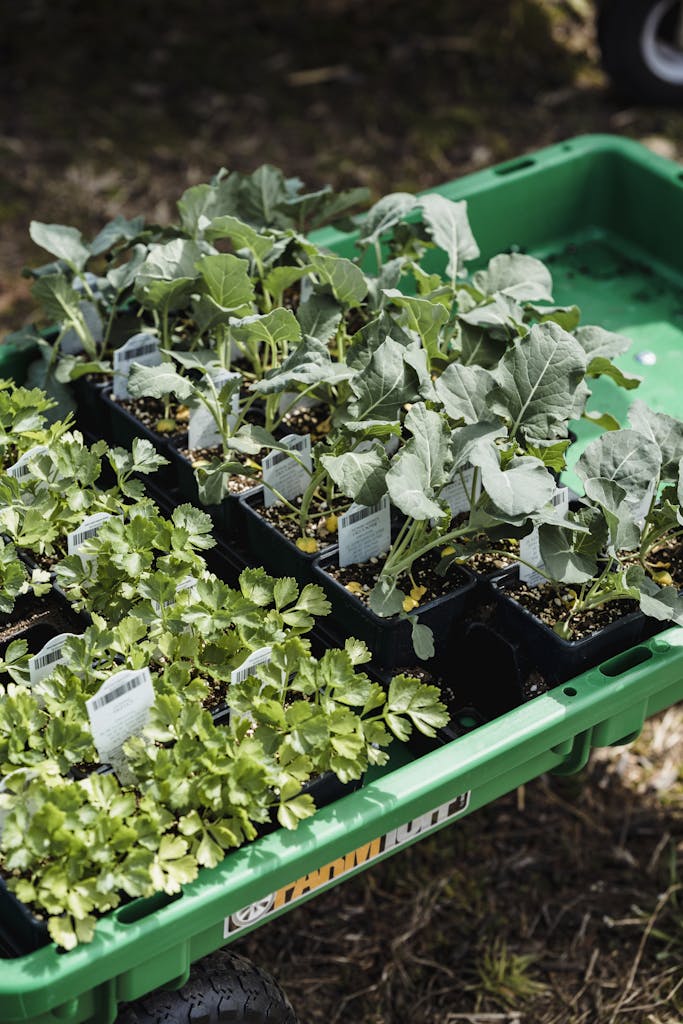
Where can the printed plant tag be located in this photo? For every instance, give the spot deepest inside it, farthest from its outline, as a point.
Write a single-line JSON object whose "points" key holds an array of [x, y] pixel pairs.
{"points": [[259, 657], [89, 528], [364, 532], [187, 583], [457, 493], [20, 470], [141, 348], [203, 430], [42, 663], [284, 474], [118, 711], [529, 548]]}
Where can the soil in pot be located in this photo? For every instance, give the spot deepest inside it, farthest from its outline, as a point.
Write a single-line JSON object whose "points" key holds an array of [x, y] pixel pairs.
{"points": [[390, 639], [39, 619], [151, 415], [313, 420]]}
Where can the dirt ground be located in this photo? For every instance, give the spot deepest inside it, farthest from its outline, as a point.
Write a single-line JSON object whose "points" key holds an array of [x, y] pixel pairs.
{"points": [[560, 903]]}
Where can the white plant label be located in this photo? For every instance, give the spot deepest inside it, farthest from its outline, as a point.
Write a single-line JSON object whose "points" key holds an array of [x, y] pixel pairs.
{"points": [[364, 532], [88, 529], [42, 663], [141, 348], [284, 474], [187, 583], [118, 711], [259, 657], [457, 493], [529, 548], [203, 430], [71, 344], [21, 469]]}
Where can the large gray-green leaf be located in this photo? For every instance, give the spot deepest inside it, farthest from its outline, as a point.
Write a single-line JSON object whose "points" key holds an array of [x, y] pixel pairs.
{"points": [[385, 214], [447, 222], [278, 327], [463, 391], [570, 556], [665, 431], [323, 206], [168, 275], [58, 299], [422, 316], [226, 279], [662, 603], [626, 458], [388, 277], [479, 347], [624, 531], [537, 380], [309, 363], [475, 443], [123, 276], [279, 279], [158, 382], [521, 277], [242, 235], [360, 476], [385, 384], [422, 466], [319, 315], [344, 278], [523, 487], [261, 194], [117, 230], [64, 242], [501, 317], [596, 341]]}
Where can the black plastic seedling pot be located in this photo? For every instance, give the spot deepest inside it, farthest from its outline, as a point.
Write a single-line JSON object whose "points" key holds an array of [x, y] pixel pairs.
{"points": [[268, 547], [123, 428]]}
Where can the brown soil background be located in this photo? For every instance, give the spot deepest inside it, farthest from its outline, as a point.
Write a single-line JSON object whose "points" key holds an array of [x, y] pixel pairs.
{"points": [[561, 902]]}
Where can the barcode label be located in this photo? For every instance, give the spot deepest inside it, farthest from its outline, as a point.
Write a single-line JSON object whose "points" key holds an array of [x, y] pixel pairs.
{"points": [[118, 711], [259, 657], [530, 551], [141, 348], [364, 532], [561, 497], [42, 663], [88, 529], [203, 430], [21, 469], [284, 475]]}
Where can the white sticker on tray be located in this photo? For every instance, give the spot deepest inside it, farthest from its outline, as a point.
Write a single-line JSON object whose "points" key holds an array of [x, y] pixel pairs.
{"points": [[203, 430], [21, 469], [88, 529], [118, 711], [141, 348], [42, 663], [284, 475], [71, 343], [364, 532], [529, 548], [458, 493]]}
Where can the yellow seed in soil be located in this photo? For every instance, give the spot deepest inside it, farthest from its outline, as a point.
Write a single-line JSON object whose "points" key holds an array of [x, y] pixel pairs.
{"points": [[331, 523], [355, 587], [417, 593], [663, 578], [182, 413], [307, 544], [409, 603], [447, 551], [164, 426]]}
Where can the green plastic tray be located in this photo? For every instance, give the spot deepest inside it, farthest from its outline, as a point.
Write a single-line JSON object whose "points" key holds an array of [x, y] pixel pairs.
{"points": [[609, 216]]}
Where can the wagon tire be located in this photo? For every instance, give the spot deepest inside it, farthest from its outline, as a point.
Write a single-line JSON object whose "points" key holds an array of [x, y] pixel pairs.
{"points": [[641, 48], [224, 988]]}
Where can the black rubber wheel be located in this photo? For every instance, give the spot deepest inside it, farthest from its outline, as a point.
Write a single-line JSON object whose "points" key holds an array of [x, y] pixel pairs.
{"points": [[642, 48], [223, 989]]}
